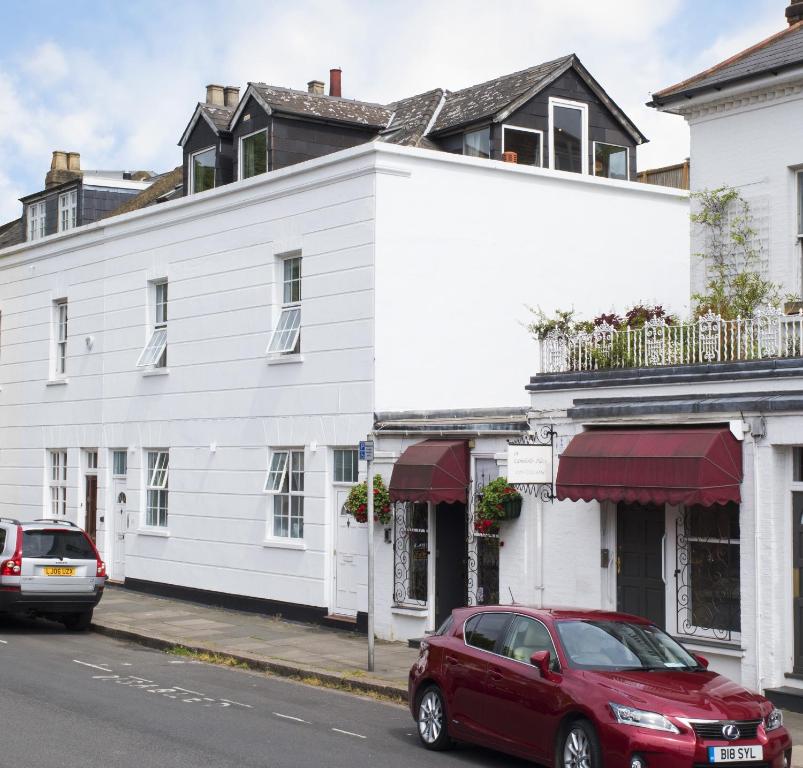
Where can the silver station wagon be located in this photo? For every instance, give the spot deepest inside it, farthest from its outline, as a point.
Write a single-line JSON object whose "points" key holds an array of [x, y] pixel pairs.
{"points": [[50, 568]]}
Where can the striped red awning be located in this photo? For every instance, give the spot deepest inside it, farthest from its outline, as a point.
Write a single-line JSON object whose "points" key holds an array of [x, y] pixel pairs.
{"points": [[659, 466]]}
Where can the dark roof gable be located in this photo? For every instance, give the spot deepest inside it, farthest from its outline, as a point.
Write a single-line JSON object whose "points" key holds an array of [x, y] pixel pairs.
{"points": [[782, 50], [218, 118]]}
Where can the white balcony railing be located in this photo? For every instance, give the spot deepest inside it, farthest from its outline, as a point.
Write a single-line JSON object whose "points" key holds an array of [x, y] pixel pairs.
{"points": [[767, 334]]}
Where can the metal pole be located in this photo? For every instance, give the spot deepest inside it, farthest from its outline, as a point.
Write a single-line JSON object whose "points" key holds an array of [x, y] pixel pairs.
{"points": [[370, 495]]}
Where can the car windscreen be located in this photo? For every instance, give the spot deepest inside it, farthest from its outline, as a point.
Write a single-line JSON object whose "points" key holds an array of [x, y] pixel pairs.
{"points": [[619, 645], [56, 544]]}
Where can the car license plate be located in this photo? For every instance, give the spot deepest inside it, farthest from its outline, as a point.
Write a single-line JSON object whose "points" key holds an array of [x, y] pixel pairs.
{"points": [[735, 754], [59, 570]]}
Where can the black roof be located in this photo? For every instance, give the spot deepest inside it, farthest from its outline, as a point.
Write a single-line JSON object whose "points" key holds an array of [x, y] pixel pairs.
{"points": [[778, 52], [11, 233]]}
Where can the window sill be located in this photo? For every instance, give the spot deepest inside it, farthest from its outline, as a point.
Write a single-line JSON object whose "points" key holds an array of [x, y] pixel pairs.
{"points": [[726, 647], [280, 543], [405, 610], [156, 372], [162, 533], [283, 359], [56, 382]]}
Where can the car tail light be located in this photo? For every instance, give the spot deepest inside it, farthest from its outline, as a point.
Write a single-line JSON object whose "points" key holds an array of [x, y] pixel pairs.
{"points": [[13, 566], [101, 568]]}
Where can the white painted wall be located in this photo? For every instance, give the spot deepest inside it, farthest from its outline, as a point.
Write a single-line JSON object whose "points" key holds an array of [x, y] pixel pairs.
{"points": [[464, 244], [218, 252], [752, 139]]}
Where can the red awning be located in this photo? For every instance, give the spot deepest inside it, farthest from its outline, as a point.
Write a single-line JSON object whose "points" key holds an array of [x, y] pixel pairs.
{"points": [[659, 466], [432, 470]]}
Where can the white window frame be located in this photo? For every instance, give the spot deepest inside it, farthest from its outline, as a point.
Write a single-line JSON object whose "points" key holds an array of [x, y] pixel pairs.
{"points": [[618, 146], [154, 353], [279, 484], [115, 452], [57, 482], [37, 220], [286, 337], [567, 103], [91, 456], [540, 133], [156, 484], [335, 481], [60, 336], [240, 152], [191, 188], [68, 210]]}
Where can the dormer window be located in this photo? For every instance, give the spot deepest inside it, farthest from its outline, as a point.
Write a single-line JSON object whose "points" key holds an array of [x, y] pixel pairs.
{"points": [[36, 220], [253, 154], [611, 161], [568, 130], [527, 143], [202, 170], [68, 209], [477, 143]]}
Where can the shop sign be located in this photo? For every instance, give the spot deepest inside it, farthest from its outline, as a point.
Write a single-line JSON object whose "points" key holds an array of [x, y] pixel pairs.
{"points": [[529, 464]]}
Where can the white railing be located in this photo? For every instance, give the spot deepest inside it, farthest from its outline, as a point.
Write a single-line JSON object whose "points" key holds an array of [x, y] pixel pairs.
{"points": [[768, 333]]}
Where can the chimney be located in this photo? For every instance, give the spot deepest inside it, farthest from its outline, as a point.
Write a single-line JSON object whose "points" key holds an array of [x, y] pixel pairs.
{"points": [[794, 12], [65, 166], [510, 157], [316, 87], [214, 95], [334, 82], [231, 95]]}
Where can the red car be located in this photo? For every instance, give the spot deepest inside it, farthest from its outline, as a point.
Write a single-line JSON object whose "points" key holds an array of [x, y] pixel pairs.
{"points": [[586, 689]]}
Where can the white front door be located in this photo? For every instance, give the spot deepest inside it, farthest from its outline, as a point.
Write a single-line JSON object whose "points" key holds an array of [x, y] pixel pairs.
{"points": [[351, 560], [120, 527]]}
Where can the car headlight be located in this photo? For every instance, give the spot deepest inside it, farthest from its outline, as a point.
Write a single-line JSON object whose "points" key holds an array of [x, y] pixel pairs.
{"points": [[773, 720], [653, 720]]}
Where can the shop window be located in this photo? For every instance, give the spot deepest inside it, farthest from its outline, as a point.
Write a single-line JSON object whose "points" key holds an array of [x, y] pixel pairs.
{"points": [[411, 554], [708, 559]]}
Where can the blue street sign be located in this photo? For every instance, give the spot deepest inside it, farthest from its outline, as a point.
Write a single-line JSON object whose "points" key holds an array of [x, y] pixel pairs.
{"points": [[366, 450]]}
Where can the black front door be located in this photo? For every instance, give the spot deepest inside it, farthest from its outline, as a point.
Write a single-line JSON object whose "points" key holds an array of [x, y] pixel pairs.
{"points": [[451, 555], [797, 576], [640, 587]]}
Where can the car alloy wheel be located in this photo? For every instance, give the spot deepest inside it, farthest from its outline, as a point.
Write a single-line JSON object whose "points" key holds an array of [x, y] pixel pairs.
{"points": [[430, 717], [577, 749]]}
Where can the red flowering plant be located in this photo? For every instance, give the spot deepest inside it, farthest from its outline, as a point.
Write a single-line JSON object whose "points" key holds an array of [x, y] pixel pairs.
{"points": [[357, 502], [492, 501]]}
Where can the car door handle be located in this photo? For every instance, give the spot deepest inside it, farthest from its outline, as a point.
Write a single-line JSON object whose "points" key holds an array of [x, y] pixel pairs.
{"points": [[496, 676], [450, 660]]}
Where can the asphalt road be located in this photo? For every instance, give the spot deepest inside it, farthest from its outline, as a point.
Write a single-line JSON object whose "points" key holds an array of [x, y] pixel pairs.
{"points": [[72, 699]]}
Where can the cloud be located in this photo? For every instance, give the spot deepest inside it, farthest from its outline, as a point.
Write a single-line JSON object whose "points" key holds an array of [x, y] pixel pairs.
{"points": [[46, 64]]}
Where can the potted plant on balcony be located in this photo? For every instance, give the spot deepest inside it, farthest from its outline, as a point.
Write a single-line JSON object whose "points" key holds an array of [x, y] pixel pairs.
{"points": [[357, 502], [496, 501]]}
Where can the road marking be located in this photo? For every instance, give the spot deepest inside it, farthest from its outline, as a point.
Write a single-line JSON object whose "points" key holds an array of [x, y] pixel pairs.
{"points": [[237, 703], [94, 666], [350, 733], [290, 717], [4, 642]]}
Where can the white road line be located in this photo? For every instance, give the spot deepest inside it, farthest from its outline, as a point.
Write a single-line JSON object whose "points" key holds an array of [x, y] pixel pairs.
{"points": [[187, 690], [239, 704], [94, 666], [349, 733], [290, 717], [4, 642]]}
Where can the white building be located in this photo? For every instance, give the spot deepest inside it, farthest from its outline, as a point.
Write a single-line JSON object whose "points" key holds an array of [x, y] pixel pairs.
{"points": [[136, 355]]}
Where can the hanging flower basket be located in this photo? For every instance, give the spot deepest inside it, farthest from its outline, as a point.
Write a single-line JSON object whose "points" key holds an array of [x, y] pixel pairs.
{"points": [[497, 501], [357, 502]]}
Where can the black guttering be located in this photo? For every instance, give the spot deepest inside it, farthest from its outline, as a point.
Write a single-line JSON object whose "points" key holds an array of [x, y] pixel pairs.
{"points": [[669, 374]]}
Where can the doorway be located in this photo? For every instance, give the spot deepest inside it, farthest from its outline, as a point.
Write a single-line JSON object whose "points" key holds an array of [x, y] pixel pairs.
{"points": [[640, 540], [351, 558], [797, 578], [451, 559], [118, 535], [91, 507]]}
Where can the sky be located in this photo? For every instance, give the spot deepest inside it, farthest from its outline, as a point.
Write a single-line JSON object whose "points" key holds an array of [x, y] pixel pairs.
{"points": [[118, 80]]}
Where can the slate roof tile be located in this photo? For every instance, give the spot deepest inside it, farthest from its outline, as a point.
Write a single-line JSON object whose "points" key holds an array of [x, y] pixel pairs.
{"points": [[11, 233], [780, 51]]}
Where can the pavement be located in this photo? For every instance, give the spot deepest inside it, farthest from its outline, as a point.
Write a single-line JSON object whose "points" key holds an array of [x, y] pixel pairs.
{"points": [[290, 649], [286, 648]]}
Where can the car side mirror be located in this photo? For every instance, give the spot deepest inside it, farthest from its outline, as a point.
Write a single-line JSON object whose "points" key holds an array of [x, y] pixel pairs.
{"points": [[701, 660], [540, 659]]}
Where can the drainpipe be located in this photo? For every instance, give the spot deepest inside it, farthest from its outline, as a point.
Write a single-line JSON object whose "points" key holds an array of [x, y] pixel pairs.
{"points": [[757, 568]]}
